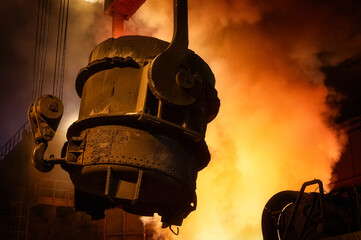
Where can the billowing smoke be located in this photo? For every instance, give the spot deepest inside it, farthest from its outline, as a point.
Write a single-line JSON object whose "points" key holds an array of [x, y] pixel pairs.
{"points": [[272, 132], [153, 228]]}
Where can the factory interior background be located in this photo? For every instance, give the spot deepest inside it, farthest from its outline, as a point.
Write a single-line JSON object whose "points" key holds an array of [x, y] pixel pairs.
{"points": [[274, 64]]}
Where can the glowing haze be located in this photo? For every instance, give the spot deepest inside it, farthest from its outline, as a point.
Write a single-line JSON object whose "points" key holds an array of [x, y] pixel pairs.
{"points": [[93, 1], [271, 133]]}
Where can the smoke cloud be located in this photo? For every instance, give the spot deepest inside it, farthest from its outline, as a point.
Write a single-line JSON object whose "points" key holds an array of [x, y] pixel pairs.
{"points": [[272, 132]]}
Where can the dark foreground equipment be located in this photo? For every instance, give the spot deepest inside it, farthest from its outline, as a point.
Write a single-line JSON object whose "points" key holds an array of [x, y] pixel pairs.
{"points": [[139, 141], [299, 215]]}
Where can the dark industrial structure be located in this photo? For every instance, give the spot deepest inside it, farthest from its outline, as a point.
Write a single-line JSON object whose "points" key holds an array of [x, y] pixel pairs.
{"points": [[40, 205], [335, 215], [346, 80], [137, 146], [139, 141]]}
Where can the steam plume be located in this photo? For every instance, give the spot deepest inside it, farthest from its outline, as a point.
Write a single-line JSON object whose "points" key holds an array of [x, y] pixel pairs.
{"points": [[272, 131]]}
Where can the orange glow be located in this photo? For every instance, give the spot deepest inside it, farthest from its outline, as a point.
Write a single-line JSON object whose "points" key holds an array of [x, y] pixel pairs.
{"points": [[93, 1], [118, 25], [271, 132]]}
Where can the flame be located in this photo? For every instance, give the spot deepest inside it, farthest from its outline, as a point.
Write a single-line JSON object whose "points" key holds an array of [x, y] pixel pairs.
{"points": [[271, 133]]}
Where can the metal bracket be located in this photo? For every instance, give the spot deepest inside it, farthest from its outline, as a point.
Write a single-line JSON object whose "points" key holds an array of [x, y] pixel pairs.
{"points": [[170, 81], [120, 189], [294, 211]]}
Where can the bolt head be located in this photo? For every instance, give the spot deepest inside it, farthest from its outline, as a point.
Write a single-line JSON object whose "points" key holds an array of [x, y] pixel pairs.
{"points": [[53, 107], [185, 79]]}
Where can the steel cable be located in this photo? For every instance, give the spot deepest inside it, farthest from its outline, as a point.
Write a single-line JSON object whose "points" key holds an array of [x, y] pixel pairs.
{"points": [[41, 44], [58, 81], [58, 46]]}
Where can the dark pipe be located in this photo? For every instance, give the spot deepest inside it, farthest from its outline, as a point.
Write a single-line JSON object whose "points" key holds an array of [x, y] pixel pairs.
{"points": [[294, 211]]}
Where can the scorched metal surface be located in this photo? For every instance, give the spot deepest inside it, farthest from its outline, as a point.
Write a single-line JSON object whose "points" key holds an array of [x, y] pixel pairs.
{"points": [[139, 141]]}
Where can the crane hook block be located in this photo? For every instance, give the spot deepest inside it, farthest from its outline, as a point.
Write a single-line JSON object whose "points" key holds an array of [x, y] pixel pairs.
{"points": [[44, 117]]}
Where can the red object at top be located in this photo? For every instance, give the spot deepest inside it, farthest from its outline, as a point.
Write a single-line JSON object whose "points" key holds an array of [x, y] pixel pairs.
{"points": [[121, 10]]}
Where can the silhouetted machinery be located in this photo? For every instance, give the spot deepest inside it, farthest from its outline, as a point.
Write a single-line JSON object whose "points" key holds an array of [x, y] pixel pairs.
{"points": [[139, 141], [290, 215]]}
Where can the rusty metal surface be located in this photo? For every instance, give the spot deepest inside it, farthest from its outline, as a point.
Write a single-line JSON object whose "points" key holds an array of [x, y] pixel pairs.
{"points": [[114, 91], [124, 93], [141, 49], [116, 188], [126, 129], [167, 66], [125, 126], [134, 147], [139, 141], [38, 160], [101, 65], [154, 192], [44, 117]]}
